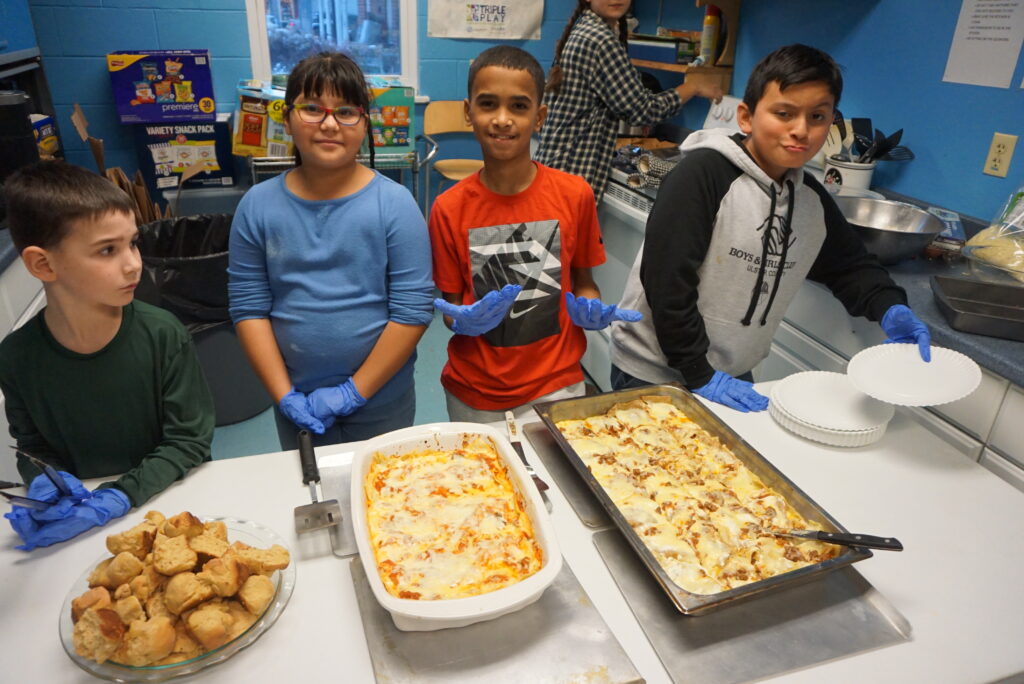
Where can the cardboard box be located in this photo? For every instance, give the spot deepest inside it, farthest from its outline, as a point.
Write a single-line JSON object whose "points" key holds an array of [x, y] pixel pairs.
{"points": [[154, 86], [654, 50], [392, 115], [165, 150], [259, 122]]}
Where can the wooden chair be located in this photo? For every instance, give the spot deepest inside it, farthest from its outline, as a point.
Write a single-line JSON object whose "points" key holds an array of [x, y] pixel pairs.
{"points": [[439, 118]]}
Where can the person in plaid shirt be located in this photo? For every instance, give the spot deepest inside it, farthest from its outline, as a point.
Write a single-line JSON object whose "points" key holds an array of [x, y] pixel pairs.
{"points": [[592, 86]]}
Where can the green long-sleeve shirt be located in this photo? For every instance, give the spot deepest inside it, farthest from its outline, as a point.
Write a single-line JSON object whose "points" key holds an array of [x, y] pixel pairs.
{"points": [[139, 407]]}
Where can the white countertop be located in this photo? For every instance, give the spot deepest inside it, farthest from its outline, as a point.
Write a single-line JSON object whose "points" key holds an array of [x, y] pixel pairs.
{"points": [[959, 582]]}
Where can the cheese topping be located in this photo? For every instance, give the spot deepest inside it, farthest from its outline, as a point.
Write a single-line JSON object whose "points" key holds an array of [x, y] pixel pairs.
{"points": [[448, 523], [702, 513]]}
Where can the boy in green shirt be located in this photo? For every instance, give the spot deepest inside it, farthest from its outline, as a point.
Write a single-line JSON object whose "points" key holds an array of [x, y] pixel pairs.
{"points": [[96, 384]]}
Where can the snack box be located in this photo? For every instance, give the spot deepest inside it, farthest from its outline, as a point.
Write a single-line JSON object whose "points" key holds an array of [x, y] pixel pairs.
{"points": [[392, 115], [414, 615], [259, 122], [165, 150], [154, 86]]}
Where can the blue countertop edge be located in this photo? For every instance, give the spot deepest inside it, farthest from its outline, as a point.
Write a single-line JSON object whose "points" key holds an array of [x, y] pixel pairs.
{"points": [[1002, 357]]}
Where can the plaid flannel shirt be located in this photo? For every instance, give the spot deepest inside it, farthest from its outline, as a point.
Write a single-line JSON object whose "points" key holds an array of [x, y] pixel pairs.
{"points": [[600, 87]]}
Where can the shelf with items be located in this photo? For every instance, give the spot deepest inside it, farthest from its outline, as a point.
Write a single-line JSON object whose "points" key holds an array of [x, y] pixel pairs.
{"points": [[722, 76]]}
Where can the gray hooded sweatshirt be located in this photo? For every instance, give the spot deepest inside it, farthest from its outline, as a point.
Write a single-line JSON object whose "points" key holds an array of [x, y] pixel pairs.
{"points": [[726, 250]]}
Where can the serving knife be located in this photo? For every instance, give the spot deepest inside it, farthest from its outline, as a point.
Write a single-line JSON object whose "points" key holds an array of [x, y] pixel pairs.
{"points": [[25, 501], [517, 444], [844, 539]]}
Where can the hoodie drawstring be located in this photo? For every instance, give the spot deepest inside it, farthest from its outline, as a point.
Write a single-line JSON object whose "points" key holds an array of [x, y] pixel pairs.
{"points": [[756, 293], [784, 233]]}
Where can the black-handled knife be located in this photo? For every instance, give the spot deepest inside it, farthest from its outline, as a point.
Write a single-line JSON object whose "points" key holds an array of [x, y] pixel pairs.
{"points": [[845, 539], [517, 444], [25, 501]]}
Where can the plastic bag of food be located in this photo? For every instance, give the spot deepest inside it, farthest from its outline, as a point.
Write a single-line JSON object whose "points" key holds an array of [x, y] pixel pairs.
{"points": [[1002, 243]]}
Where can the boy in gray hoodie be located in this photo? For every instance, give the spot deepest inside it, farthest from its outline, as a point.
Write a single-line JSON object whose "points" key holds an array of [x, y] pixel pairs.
{"points": [[737, 227]]}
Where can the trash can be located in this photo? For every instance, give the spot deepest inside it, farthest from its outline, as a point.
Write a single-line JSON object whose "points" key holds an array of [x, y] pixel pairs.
{"points": [[185, 271]]}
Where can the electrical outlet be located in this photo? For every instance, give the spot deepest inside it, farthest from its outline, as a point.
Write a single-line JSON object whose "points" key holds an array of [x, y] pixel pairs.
{"points": [[997, 162]]}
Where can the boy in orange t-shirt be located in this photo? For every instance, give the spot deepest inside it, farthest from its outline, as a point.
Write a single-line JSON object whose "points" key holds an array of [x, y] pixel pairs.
{"points": [[507, 243]]}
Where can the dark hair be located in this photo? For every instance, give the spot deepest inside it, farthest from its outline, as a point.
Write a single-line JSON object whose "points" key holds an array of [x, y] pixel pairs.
{"points": [[44, 198], [555, 75], [792, 65], [510, 57], [334, 73]]}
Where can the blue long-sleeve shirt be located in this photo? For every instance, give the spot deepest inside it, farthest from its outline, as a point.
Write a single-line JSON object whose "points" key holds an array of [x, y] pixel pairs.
{"points": [[329, 275]]}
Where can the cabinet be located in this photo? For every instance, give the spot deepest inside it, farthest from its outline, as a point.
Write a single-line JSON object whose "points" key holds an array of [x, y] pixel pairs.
{"points": [[1007, 435], [16, 30]]}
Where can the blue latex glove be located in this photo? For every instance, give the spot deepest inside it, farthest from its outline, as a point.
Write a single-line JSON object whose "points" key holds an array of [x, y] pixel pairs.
{"points": [[327, 402], [736, 394], [901, 325], [69, 516], [482, 315], [295, 406], [593, 314]]}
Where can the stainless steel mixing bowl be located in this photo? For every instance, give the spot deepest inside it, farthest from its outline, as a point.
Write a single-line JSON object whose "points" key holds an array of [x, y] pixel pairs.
{"points": [[892, 231]]}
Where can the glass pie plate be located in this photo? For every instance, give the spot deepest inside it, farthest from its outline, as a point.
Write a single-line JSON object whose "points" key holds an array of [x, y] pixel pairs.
{"points": [[247, 531]]}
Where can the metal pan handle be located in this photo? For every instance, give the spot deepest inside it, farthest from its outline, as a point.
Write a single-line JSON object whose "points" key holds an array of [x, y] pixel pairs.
{"points": [[310, 472]]}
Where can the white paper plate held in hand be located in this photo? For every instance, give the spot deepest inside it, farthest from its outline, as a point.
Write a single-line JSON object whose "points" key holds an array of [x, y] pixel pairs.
{"points": [[896, 373]]}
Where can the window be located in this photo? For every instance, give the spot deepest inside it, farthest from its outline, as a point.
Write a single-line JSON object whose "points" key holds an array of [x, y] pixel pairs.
{"points": [[379, 34]]}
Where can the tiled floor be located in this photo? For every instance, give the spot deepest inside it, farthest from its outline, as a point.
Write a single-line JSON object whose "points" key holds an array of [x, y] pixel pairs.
{"points": [[259, 435]]}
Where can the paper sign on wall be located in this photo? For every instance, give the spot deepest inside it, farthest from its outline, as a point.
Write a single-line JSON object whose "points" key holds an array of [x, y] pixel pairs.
{"points": [[504, 19], [986, 43]]}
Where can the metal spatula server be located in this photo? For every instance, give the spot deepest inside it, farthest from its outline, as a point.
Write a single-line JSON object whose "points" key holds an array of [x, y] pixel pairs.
{"points": [[319, 514]]}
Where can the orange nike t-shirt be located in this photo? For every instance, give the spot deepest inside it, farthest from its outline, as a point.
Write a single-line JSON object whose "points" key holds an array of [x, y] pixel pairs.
{"points": [[482, 241]]}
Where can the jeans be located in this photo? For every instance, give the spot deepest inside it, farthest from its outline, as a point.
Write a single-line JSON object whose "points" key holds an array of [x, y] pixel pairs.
{"points": [[367, 422], [620, 379]]}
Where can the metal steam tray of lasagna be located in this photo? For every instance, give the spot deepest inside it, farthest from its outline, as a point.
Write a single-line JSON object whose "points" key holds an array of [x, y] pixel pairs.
{"points": [[449, 525], [694, 500]]}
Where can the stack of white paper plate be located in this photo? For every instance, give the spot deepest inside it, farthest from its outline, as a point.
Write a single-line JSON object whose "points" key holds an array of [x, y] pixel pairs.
{"points": [[827, 408]]}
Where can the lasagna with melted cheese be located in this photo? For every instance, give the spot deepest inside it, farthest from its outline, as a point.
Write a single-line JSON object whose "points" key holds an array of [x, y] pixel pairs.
{"points": [[447, 524], [699, 510]]}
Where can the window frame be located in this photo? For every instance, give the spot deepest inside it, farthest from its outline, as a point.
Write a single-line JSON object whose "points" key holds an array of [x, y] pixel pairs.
{"points": [[259, 44]]}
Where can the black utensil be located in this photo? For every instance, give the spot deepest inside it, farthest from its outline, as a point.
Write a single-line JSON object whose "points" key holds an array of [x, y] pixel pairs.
{"points": [[25, 501], [863, 143], [49, 470], [898, 153], [4, 484], [848, 539], [887, 144], [862, 127], [869, 154]]}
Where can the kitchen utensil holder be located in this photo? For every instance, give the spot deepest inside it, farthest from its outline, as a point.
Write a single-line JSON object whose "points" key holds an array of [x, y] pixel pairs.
{"points": [[849, 174]]}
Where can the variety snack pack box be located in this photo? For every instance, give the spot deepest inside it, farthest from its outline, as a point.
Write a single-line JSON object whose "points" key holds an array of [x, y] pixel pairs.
{"points": [[165, 150], [154, 86], [259, 130]]}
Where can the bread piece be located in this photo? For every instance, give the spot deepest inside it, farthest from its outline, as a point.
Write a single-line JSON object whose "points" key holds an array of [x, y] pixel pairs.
{"points": [[148, 581], [156, 607], [262, 561], [207, 546], [97, 597], [129, 609], [217, 528], [155, 517], [146, 642], [172, 555], [185, 647], [115, 572], [210, 624], [185, 591], [243, 619], [183, 524], [257, 593], [225, 575], [138, 540], [97, 634]]}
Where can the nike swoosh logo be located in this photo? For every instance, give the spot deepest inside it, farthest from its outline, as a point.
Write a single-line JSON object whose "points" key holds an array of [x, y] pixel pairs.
{"points": [[517, 314]]}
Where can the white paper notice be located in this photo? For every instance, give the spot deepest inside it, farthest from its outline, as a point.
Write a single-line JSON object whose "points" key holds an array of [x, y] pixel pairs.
{"points": [[986, 43], [498, 19]]}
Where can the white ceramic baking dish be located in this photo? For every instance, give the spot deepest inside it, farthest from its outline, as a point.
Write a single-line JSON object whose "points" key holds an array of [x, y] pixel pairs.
{"points": [[414, 615]]}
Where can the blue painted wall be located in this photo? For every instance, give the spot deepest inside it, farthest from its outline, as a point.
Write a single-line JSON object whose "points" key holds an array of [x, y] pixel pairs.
{"points": [[893, 54], [75, 36]]}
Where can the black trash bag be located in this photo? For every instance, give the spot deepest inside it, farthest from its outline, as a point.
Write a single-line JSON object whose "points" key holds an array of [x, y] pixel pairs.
{"points": [[185, 271], [185, 268]]}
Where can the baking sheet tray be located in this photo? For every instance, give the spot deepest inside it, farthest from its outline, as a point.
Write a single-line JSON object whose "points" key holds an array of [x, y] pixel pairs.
{"points": [[796, 627], [689, 603], [560, 638], [981, 308]]}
